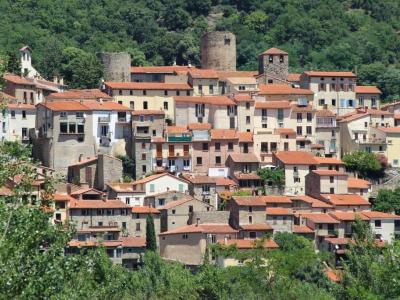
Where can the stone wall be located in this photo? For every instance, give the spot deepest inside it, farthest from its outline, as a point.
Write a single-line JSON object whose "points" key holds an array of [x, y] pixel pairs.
{"points": [[218, 51]]}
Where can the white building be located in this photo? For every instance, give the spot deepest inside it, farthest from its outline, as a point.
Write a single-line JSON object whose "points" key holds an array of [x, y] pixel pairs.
{"points": [[16, 121]]}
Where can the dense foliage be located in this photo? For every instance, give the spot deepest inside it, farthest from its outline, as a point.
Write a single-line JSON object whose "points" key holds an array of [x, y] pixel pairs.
{"points": [[365, 164], [388, 201], [151, 240], [328, 34]]}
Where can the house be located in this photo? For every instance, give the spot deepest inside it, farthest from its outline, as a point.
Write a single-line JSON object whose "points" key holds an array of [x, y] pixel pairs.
{"points": [[61, 210], [284, 92], [359, 186], [383, 225], [245, 111], [391, 137], [177, 213], [172, 153], [96, 171], [281, 219], [243, 169], [203, 81], [308, 204], [333, 90], [145, 125], [235, 85], [220, 111], [137, 226], [161, 74], [368, 96], [188, 244], [324, 225], [17, 120], [297, 164], [148, 95], [80, 94], [346, 202], [327, 133], [326, 182], [133, 193], [247, 210], [78, 130]]}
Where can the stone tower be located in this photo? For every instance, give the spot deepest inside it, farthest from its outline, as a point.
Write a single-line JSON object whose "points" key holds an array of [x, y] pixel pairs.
{"points": [[116, 66], [218, 51], [274, 64]]}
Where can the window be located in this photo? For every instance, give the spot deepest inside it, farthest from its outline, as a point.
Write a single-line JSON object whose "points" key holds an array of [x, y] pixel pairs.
{"points": [[322, 87], [152, 188], [145, 105], [24, 132], [333, 102], [284, 218], [154, 132], [309, 117], [281, 58], [218, 160], [181, 188], [144, 92], [247, 105], [252, 234], [132, 104], [270, 59], [230, 146], [205, 146], [79, 114], [211, 88], [187, 93], [186, 163], [165, 105], [120, 92], [199, 161], [373, 101], [332, 190], [200, 88], [161, 202], [286, 146], [137, 226], [264, 125], [378, 223], [173, 211], [299, 117], [250, 220], [143, 145], [127, 200], [250, 208], [309, 130], [72, 127], [141, 118], [217, 147], [185, 236], [23, 114], [264, 114], [143, 156], [85, 212], [120, 102], [165, 93], [131, 92], [274, 220], [280, 114], [205, 188], [264, 147], [178, 93], [331, 179], [63, 127], [321, 102], [13, 114], [299, 130]]}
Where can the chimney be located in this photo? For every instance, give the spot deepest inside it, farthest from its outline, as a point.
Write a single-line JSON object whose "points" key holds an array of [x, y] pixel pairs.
{"points": [[55, 79], [197, 222], [61, 81]]}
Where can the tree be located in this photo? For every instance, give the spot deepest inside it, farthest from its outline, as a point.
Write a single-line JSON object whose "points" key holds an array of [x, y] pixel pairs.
{"points": [[128, 167], [388, 201], [274, 177], [151, 241], [363, 163]]}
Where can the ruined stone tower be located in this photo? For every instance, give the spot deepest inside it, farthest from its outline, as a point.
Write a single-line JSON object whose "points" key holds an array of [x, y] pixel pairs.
{"points": [[116, 66], [218, 51], [274, 64]]}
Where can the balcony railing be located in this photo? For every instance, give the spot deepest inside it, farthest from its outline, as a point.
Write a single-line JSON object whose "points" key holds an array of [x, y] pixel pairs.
{"points": [[179, 139]]}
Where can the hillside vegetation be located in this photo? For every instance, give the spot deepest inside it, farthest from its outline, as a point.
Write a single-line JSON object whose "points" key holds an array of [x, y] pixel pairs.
{"points": [[358, 35]]}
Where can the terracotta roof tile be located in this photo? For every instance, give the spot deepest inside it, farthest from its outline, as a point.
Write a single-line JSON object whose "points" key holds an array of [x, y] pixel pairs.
{"points": [[241, 80], [296, 158], [17, 79], [329, 74], [345, 199], [246, 176], [379, 215], [329, 173], [316, 203], [278, 211], [293, 77], [243, 97], [347, 216], [276, 199], [86, 105], [244, 157], [390, 129], [273, 104], [202, 228], [199, 126], [147, 86], [320, 218], [328, 160], [224, 134], [80, 94], [131, 242], [94, 204], [221, 181], [248, 244], [21, 106], [176, 129], [160, 69], [211, 100], [324, 113], [248, 201], [369, 89], [357, 183], [199, 179], [284, 131], [337, 241], [282, 89], [63, 197], [176, 203], [302, 229], [274, 51], [203, 73], [256, 227], [245, 137], [222, 75], [144, 210]]}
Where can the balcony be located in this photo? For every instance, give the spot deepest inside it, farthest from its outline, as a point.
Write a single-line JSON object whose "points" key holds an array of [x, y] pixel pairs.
{"points": [[104, 119], [179, 139], [123, 120], [376, 141], [323, 123]]}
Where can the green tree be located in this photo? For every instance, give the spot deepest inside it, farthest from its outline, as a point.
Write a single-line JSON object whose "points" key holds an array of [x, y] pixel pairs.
{"points": [[274, 177], [363, 163], [151, 241], [387, 201]]}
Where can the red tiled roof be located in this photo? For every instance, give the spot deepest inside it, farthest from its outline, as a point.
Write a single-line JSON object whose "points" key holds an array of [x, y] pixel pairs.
{"points": [[176, 129], [211, 100], [359, 113], [245, 137], [293, 77], [85, 190], [347, 216], [246, 176], [256, 227], [328, 160], [369, 89], [282, 89], [307, 108], [63, 197], [17, 79], [199, 179], [337, 241], [221, 181], [320, 218], [278, 211], [324, 113], [248, 201], [156, 176], [244, 157], [86, 105], [390, 129], [226, 74], [296, 158], [329, 173], [199, 126], [144, 210], [202, 228], [316, 203], [181, 201], [273, 104], [379, 215], [345, 199], [248, 244], [243, 97], [285, 131], [123, 187], [274, 51], [332, 275], [132, 242], [203, 73], [147, 86], [79, 94], [97, 204], [329, 74], [146, 112], [276, 199], [317, 146], [160, 69], [302, 229], [357, 183], [21, 106], [224, 134]]}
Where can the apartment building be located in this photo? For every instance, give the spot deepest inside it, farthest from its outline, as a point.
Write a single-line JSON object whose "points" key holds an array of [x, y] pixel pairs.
{"points": [[148, 95], [245, 112], [368, 96], [326, 182], [17, 120], [235, 85], [243, 170], [78, 130], [204, 82], [220, 111], [333, 90], [145, 125]]}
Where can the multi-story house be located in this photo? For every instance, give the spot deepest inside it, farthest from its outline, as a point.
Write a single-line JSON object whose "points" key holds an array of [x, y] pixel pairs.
{"points": [[333, 90], [220, 111], [279, 92], [391, 137], [78, 130], [326, 182], [80, 94], [280, 219], [368, 96], [302, 118], [245, 112], [165, 74], [243, 169], [17, 120], [357, 133], [359, 186], [327, 133], [235, 85], [148, 95], [297, 164], [323, 224], [174, 151], [204, 82], [145, 125], [137, 226]]}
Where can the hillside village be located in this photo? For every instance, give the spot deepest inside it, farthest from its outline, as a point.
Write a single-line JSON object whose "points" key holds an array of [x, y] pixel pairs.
{"points": [[198, 137]]}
